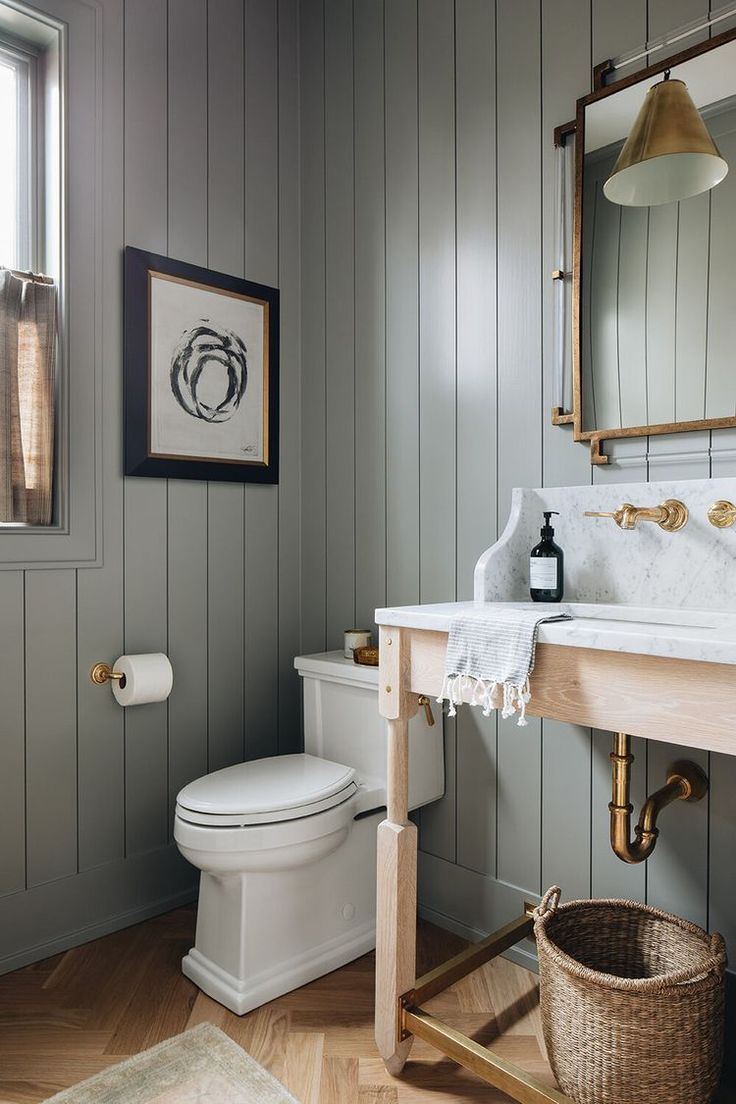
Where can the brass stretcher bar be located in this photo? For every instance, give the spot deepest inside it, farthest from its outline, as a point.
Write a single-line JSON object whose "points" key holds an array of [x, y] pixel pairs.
{"points": [[414, 1020]]}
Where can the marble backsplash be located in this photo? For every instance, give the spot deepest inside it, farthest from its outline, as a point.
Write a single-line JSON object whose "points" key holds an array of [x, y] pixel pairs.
{"points": [[694, 568]]}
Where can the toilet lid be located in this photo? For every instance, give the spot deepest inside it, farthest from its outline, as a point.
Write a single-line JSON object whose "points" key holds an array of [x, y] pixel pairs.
{"points": [[282, 787]]}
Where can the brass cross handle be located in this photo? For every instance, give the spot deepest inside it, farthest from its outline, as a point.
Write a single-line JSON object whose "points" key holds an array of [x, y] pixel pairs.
{"points": [[722, 514], [670, 516]]}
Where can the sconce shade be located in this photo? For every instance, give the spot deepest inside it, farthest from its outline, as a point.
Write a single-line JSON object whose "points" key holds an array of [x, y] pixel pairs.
{"points": [[669, 154]]}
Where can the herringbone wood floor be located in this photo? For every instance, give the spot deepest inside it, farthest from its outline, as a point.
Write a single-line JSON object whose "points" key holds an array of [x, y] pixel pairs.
{"points": [[73, 1015]]}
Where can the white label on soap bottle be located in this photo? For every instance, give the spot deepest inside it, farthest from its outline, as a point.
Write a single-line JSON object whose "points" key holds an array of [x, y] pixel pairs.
{"points": [[543, 573]]}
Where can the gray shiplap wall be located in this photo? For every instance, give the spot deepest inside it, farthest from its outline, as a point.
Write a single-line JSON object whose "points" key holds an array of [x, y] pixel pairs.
{"points": [[427, 179], [199, 161]]}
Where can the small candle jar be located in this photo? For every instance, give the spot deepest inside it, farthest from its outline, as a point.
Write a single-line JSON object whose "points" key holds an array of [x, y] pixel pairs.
{"points": [[355, 638]]}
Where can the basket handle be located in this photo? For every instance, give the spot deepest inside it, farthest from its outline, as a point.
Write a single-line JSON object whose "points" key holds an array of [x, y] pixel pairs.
{"points": [[548, 905], [718, 950]]}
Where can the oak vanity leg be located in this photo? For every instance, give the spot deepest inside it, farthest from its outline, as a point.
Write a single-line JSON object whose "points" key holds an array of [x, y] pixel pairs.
{"points": [[397, 859]]}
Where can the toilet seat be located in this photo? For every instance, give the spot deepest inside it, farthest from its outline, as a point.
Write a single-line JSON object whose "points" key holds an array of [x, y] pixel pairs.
{"points": [[266, 791]]}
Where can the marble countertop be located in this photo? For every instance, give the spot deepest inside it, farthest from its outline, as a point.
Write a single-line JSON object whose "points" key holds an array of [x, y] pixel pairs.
{"points": [[704, 635]]}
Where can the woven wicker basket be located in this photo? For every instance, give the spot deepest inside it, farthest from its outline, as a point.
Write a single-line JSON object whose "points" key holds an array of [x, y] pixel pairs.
{"points": [[632, 1002]]}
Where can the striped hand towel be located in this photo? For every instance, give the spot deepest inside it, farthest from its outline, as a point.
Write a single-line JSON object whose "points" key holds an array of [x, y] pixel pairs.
{"points": [[490, 656]]}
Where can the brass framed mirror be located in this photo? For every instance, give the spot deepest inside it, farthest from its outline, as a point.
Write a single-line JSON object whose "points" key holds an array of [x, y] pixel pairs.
{"points": [[653, 303]]}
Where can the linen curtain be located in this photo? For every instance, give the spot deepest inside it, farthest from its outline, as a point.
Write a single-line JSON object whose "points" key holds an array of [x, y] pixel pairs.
{"points": [[28, 321]]}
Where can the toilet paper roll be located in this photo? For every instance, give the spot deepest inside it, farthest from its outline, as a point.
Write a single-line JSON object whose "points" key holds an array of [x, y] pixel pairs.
{"points": [[148, 678]]}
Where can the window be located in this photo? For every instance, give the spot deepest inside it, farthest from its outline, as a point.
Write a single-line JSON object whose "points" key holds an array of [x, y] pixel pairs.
{"points": [[17, 107], [29, 237], [74, 232]]}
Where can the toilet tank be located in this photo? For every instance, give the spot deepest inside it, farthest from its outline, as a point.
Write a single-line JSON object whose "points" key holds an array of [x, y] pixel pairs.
{"points": [[342, 723]]}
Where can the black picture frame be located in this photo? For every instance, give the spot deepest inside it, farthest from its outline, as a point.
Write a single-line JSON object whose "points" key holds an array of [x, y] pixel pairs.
{"points": [[141, 267]]}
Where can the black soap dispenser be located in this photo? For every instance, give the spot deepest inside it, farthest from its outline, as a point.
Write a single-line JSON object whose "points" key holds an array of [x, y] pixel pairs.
{"points": [[546, 566]]}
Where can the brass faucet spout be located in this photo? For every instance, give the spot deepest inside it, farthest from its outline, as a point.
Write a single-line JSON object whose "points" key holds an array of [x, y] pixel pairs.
{"points": [[685, 782], [671, 515]]}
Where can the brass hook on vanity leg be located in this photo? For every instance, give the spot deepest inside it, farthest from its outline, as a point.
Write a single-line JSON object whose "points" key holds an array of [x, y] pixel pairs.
{"points": [[685, 782], [424, 701]]}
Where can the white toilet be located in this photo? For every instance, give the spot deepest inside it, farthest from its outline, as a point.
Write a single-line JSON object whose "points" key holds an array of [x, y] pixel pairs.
{"points": [[287, 845]]}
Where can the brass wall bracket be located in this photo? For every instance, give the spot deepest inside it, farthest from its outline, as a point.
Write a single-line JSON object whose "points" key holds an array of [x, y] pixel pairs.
{"points": [[685, 782]]}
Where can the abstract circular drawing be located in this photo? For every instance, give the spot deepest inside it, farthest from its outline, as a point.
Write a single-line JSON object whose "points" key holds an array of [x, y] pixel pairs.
{"points": [[209, 372]]}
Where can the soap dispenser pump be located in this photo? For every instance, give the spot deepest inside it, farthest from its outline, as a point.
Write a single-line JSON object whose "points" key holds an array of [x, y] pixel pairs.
{"points": [[546, 565]]}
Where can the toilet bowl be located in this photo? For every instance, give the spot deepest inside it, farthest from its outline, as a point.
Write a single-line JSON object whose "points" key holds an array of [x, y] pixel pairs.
{"points": [[286, 845]]}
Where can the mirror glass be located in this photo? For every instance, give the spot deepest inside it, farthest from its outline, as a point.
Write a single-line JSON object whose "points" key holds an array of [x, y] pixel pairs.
{"points": [[658, 284]]}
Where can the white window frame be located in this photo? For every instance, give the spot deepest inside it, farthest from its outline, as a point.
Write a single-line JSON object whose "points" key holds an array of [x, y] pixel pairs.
{"points": [[69, 198]]}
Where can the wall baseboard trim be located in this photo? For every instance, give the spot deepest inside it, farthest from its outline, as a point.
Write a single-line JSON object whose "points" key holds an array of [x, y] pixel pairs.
{"points": [[54, 916], [95, 931], [520, 955]]}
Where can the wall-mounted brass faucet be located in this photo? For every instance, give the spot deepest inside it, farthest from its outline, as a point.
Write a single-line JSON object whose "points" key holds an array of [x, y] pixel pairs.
{"points": [[670, 516], [685, 782], [722, 514]]}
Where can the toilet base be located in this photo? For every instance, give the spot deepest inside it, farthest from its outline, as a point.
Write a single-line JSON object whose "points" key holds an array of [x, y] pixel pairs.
{"points": [[242, 996], [268, 929]]}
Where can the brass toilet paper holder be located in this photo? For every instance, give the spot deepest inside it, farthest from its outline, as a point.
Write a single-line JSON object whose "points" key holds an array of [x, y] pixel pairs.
{"points": [[103, 672]]}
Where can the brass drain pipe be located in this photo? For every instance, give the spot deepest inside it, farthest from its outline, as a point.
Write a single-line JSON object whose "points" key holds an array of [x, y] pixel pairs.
{"points": [[685, 782]]}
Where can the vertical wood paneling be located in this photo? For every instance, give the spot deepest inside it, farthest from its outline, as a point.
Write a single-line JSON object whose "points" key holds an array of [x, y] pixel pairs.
{"points": [[187, 499], [722, 892], [617, 28], [662, 17], [51, 725], [402, 303], [313, 455], [370, 312], [632, 300], [225, 503], [692, 294], [475, 111], [225, 137], [100, 721], [437, 352], [437, 303], [226, 632], [566, 749], [340, 318], [187, 633], [261, 264], [721, 277], [436, 255], [173, 180], [677, 873], [661, 300], [289, 735], [519, 259], [603, 321], [145, 538], [519, 248], [565, 76], [187, 130], [12, 745]]}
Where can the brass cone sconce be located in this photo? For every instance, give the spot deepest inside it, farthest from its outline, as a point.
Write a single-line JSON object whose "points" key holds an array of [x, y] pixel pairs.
{"points": [[669, 154]]}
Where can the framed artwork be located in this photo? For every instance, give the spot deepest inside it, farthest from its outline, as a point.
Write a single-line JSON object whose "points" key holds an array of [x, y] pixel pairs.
{"points": [[201, 372]]}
